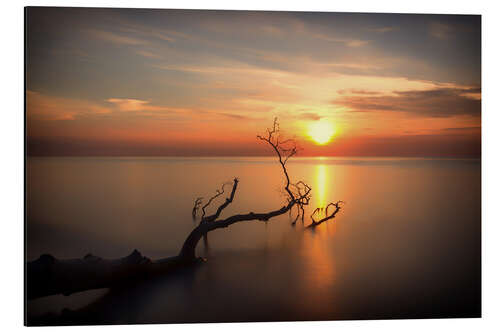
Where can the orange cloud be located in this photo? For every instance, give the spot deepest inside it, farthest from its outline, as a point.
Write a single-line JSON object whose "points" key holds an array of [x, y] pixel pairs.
{"points": [[128, 104], [43, 107]]}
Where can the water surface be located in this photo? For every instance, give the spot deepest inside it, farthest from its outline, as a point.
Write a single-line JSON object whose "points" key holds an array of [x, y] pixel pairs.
{"points": [[406, 244]]}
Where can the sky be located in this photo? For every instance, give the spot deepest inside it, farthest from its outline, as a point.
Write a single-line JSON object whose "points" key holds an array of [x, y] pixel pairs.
{"points": [[123, 82]]}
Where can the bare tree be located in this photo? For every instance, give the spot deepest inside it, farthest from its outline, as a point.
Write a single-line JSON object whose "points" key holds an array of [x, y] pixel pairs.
{"points": [[48, 275]]}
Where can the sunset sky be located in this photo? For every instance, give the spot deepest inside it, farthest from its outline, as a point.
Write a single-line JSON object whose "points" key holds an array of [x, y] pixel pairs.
{"points": [[187, 83]]}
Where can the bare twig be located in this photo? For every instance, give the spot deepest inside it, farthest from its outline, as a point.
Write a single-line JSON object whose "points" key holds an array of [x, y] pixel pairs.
{"points": [[225, 204], [274, 140], [196, 206], [338, 205], [285, 149], [217, 194]]}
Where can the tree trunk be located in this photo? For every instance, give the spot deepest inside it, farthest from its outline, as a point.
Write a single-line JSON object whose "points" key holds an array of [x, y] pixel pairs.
{"points": [[188, 251], [50, 276]]}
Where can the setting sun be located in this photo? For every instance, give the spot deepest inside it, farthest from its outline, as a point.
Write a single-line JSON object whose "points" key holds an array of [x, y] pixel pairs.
{"points": [[321, 131]]}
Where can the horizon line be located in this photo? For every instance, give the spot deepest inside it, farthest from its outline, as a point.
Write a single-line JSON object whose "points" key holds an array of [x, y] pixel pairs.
{"points": [[261, 156]]}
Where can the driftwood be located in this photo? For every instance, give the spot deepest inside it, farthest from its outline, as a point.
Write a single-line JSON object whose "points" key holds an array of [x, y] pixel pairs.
{"points": [[49, 276]]}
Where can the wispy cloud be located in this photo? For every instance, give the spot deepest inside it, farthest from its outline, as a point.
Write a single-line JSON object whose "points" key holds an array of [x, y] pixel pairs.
{"points": [[383, 30], [309, 116], [223, 69], [440, 30], [346, 41], [357, 92], [153, 32], [116, 38], [463, 129], [439, 102], [128, 104], [148, 54], [352, 65], [43, 107], [233, 115]]}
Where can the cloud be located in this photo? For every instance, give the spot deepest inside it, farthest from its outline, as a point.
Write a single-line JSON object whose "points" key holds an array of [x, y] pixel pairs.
{"points": [[309, 116], [229, 68], [233, 115], [355, 42], [440, 30], [357, 92], [128, 104], [116, 38], [148, 54], [383, 30], [351, 42], [43, 107], [149, 110], [438, 102], [463, 129], [191, 69], [153, 32], [352, 66], [272, 30]]}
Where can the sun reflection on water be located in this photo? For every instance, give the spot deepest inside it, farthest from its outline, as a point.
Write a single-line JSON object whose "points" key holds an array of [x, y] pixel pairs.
{"points": [[321, 189], [320, 266]]}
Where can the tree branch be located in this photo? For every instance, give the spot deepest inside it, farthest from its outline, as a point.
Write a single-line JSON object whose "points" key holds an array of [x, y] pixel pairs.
{"points": [[217, 194], [327, 217], [298, 195], [224, 205], [196, 206], [273, 140]]}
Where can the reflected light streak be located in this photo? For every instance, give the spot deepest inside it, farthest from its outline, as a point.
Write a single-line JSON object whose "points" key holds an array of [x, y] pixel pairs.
{"points": [[321, 190]]}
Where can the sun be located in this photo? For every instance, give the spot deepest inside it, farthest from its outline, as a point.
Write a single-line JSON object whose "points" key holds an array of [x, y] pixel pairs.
{"points": [[321, 131]]}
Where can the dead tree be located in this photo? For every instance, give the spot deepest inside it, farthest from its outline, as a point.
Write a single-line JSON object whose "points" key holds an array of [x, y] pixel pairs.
{"points": [[48, 275]]}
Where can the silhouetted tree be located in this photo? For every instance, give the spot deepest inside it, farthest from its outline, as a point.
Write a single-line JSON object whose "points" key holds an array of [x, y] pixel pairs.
{"points": [[48, 275]]}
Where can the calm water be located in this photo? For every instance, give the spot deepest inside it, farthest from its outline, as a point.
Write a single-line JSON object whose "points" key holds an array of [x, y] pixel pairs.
{"points": [[407, 243]]}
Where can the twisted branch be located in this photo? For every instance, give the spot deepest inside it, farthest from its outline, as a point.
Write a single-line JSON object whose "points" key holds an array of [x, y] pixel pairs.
{"points": [[217, 194], [338, 205]]}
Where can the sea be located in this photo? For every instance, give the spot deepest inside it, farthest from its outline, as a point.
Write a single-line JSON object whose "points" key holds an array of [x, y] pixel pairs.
{"points": [[406, 243]]}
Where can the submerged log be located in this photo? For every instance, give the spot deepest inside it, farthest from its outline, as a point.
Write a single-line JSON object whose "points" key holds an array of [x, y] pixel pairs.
{"points": [[50, 276]]}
